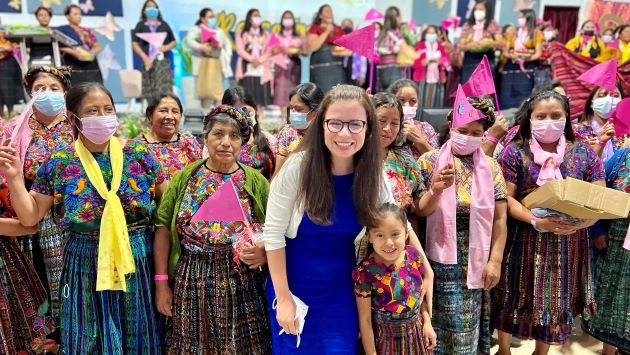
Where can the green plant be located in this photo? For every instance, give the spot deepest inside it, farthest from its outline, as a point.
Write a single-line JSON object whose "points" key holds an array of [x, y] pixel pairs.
{"points": [[132, 125], [186, 56]]}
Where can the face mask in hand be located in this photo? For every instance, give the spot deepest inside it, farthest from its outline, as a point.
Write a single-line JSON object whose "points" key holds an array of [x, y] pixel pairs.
{"points": [[299, 120], [409, 113], [605, 106], [50, 103], [462, 144], [301, 309], [548, 131], [99, 129]]}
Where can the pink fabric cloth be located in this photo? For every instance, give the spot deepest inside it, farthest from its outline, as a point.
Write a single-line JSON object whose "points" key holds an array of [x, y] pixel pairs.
{"points": [[521, 39], [441, 225], [549, 162], [478, 31], [265, 54], [18, 131], [419, 71]]}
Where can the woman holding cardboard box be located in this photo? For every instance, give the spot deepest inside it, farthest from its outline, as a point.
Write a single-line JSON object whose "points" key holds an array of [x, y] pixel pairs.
{"points": [[546, 277]]}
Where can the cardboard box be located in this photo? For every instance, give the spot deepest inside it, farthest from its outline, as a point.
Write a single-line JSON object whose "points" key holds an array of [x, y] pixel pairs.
{"points": [[580, 199]]}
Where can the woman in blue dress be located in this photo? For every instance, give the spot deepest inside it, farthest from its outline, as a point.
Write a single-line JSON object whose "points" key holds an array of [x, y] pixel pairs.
{"points": [[318, 205]]}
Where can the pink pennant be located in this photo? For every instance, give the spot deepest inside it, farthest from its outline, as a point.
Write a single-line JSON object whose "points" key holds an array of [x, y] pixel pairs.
{"points": [[209, 35], [463, 112], [274, 40], [155, 38], [360, 41], [374, 15], [456, 21], [603, 75], [622, 117], [223, 206], [481, 81], [412, 24], [445, 24]]}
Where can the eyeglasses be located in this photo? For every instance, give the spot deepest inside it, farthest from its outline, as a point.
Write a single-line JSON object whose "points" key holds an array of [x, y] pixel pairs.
{"points": [[354, 126]]}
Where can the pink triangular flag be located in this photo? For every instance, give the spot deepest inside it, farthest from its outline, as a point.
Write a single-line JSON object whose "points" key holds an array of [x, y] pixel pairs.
{"points": [[445, 24], [481, 81], [209, 35], [223, 206], [155, 38], [412, 24], [360, 41], [463, 111], [455, 21], [374, 15], [622, 117], [603, 75], [274, 41]]}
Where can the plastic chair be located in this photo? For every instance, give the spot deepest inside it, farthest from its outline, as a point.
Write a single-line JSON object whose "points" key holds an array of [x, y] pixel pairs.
{"points": [[131, 81]]}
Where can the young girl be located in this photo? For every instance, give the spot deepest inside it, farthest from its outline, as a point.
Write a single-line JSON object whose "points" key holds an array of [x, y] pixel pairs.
{"points": [[389, 291]]}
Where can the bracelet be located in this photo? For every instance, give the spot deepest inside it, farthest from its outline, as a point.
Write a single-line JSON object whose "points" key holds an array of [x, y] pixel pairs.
{"points": [[601, 143], [161, 277], [492, 139], [433, 194]]}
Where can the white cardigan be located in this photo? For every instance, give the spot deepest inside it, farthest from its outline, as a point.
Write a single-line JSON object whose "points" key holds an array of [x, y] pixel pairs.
{"points": [[283, 217]]}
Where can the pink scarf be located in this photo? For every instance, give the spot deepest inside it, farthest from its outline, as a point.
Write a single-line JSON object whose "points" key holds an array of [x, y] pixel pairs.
{"points": [[521, 39], [433, 69], [478, 31], [549, 162], [255, 42], [441, 225]]}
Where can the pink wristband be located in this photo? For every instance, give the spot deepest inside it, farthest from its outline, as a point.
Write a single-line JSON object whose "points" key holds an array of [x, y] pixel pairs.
{"points": [[492, 139], [160, 278], [433, 194]]}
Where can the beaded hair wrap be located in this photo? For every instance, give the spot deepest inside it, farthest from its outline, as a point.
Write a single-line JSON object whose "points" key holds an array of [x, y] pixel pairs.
{"points": [[61, 73], [239, 115]]}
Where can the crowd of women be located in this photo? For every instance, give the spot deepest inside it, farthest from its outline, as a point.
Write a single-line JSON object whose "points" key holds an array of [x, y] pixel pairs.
{"points": [[355, 229]]}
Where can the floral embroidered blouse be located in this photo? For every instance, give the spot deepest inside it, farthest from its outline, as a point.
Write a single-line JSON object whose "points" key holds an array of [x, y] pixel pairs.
{"points": [[173, 156]]}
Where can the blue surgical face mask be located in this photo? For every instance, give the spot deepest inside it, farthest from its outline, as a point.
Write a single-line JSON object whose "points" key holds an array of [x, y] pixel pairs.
{"points": [[50, 103], [152, 12], [431, 37], [212, 22], [299, 120]]}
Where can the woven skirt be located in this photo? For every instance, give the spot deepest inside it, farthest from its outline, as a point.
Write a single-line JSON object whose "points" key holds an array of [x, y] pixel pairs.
{"points": [[50, 240], [516, 85], [399, 334], [157, 80], [22, 301], [284, 80], [210, 80], [387, 74], [261, 92], [431, 95], [546, 280], [11, 91], [611, 322], [218, 307], [108, 322]]}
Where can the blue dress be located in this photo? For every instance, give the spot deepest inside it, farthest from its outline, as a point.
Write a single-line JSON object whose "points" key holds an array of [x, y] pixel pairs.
{"points": [[320, 261]]}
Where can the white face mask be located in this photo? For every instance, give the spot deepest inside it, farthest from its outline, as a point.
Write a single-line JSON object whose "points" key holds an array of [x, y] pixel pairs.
{"points": [[480, 15], [462, 144], [604, 106], [549, 35]]}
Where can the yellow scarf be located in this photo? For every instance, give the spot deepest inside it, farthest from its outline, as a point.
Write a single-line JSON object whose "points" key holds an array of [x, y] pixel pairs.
{"points": [[625, 52], [114, 251]]}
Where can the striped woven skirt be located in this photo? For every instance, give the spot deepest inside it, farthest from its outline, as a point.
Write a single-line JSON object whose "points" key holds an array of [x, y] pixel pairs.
{"points": [[218, 307], [516, 86], [611, 322], [387, 75], [108, 322], [546, 280], [50, 240], [461, 316], [22, 300], [399, 334]]}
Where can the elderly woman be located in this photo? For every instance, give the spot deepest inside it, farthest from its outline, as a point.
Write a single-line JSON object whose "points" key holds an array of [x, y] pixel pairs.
{"points": [[173, 149], [104, 195], [218, 304], [47, 131]]}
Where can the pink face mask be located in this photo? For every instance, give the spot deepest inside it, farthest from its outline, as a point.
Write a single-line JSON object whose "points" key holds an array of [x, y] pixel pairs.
{"points": [[548, 131], [99, 129], [462, 144]]}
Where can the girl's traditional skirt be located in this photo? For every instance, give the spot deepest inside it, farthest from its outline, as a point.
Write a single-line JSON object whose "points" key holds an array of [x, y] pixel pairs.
{"points": [[611, 322], [461, 316], [516, 85], [388, 72], [218, 307], [22, 301], [326, 70], [11, 91], [399, 334], [50, 240], [83, 72], [157, 80], [471, 61], [210, 80], [261, 92], [284, 80], [431, 95], [108, 322], [546, 280]]}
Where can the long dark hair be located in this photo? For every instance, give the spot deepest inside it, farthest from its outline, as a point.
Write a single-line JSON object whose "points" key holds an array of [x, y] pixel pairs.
{"points": [[238, 94], [143, 15], [386, 99], [202, 14], [530, 16], [317, 20], [75, 96], [316, 185], [389, 24], [524, 114], [310, 94], [248, 21], [295, 32], [489, 14], [588, 110]]}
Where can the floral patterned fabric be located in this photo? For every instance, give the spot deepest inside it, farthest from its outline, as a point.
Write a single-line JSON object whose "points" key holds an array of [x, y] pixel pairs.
{"points": [[173, 156], [199, 236], [44, 142], [405, 180], [393, 288], [252, 157], [288, 140], [79, 207], [429, 133]]}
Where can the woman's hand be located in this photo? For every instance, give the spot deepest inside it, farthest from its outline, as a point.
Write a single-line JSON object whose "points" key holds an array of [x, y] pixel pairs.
{"points": [[10, 164], [254, 256], [556, 225], [443, 179], [606, 133], [413, 133], [491, 274], [164, 298], [429, 335], [601, 242], [285, 315], [499, 129], [148, 64]]}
